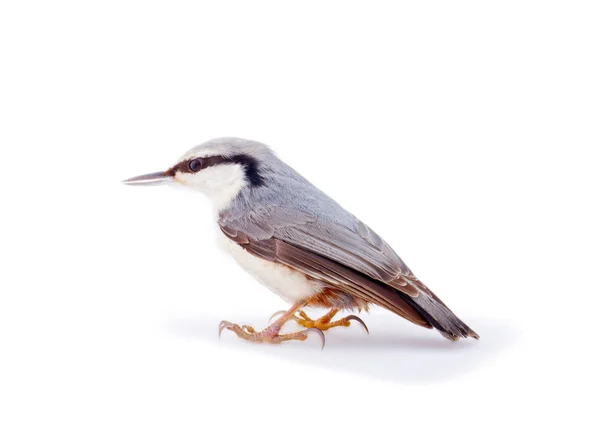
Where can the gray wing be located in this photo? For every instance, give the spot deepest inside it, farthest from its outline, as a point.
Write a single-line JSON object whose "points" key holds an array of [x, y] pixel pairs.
{"points": [[350, 257], [351, 244]]}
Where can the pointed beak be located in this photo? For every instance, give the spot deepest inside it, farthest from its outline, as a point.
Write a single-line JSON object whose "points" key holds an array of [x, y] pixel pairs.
{"points": [[156, 178]]}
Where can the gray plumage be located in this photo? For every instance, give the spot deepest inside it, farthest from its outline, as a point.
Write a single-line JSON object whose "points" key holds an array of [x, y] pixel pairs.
{"points": [[299, 242], [287, 220]]}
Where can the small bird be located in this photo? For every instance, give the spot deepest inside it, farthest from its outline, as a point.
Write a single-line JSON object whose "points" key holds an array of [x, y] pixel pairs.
{"points": [[301, 244]]}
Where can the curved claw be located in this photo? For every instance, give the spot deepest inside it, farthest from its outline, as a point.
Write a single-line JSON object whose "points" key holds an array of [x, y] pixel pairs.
{"points": [[319, 332], [357, 319], [222, 325], [275, 314]]}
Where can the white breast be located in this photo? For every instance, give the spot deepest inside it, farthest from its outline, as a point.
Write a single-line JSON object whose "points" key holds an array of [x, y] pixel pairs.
{"points": [[291, 285]]}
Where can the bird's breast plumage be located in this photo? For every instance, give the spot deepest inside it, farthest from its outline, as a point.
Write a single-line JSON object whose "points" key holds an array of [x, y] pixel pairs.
{"points": [[291, 285]]}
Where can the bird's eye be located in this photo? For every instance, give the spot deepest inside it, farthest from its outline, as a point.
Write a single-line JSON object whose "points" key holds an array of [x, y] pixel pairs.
{"points": [[195, 165]]}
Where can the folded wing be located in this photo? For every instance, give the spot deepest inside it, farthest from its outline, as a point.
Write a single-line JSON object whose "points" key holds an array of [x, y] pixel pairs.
{"points": [[350, 257]]}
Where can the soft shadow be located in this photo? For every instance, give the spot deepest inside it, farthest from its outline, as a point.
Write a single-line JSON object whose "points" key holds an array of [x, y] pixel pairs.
{"points": [[395, 350]]}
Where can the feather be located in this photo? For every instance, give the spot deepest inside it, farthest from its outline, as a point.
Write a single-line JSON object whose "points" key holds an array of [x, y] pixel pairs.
{"points": [[338, 276]]}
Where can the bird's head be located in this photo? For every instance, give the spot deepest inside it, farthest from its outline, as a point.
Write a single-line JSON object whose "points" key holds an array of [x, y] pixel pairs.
{"points": [[220, 168]]}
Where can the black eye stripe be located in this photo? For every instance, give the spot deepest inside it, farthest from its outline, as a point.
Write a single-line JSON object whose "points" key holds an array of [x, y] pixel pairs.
{"points": [[250, 164]]}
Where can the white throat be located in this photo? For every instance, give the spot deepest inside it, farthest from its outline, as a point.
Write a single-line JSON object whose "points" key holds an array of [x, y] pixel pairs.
{"points": [[221, 183]]}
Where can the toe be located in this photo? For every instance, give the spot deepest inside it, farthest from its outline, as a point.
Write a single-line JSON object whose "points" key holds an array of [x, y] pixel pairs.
{"points": [[248, 329], [303, 315]]}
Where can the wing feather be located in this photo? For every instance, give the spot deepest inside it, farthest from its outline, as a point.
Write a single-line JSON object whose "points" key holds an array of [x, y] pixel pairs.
{"points": [[333, 273], [351, 243], [291, 222]]}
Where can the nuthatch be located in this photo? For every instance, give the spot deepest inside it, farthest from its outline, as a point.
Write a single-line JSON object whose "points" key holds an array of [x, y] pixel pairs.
{"points": [[301, 244]]}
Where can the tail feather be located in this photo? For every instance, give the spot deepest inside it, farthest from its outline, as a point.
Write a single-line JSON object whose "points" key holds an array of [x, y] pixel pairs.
{"points": [[439, 316]]}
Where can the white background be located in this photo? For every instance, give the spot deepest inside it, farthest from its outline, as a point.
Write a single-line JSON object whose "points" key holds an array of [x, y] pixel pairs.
{"points": [[465, 133]]}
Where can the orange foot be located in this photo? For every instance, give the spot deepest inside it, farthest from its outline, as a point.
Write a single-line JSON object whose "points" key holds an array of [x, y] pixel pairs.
{"points": [[324, 323]]}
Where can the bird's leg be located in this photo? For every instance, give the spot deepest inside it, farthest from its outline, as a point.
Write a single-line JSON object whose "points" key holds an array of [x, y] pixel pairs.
{"points": [[271, 333], [324, 323]]}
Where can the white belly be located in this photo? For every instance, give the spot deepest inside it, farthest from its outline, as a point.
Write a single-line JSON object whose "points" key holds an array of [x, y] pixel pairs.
{"points": [[291, 285]]}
